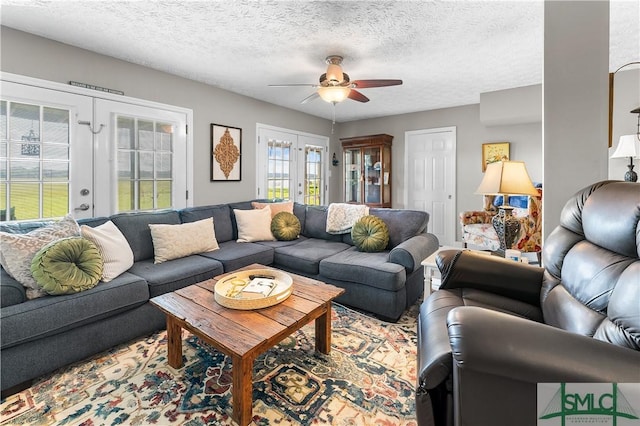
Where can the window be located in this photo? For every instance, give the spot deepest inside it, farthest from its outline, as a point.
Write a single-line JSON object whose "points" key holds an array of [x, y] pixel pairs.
{"points": [[145, 172], [34, 161]]}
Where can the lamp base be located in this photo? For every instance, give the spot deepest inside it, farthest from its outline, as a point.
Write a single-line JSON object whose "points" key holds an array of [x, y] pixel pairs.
{"points": [[630, 176], [506, 227]]}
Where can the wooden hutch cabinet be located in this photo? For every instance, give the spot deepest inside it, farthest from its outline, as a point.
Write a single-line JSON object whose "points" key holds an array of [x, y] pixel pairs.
{"points": [[367, 170]]}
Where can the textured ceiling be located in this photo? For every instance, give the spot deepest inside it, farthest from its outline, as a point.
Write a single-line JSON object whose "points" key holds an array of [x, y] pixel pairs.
{"points": [[446, 52]]}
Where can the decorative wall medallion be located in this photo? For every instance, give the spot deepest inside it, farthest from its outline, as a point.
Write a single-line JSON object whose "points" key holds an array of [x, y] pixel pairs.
{"points": [[226, 151]]}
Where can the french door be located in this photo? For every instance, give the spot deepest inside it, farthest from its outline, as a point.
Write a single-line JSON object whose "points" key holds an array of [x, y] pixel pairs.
{"points": [[46, 157], [76, 153], [292, 166]]}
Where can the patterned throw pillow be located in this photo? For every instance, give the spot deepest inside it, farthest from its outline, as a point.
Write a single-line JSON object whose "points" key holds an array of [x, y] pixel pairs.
{"points": [[176, 241], [285, 226], [370, 234], [67, 266], [113, 246], [19, 249]]}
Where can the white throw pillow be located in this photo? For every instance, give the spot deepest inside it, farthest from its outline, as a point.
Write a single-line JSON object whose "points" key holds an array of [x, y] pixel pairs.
{"points": [[176, 241], [113, 246], [254, 225], [19, 249]]}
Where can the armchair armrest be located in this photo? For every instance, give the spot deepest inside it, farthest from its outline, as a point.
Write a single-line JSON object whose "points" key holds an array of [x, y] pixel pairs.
{"points": [[533, 352], [466, 269], [413, 251]]}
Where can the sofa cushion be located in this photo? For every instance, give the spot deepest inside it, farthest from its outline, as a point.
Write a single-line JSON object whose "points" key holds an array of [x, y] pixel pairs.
{"points": [[177, 273], [306, 255], [285, 226], [235, 255], [221, 214], [113, 247], [254, 225], [315, 224], [135, 228], [370, 234], [402, 224], [11, 291], [372, 269], [67, 266], [50, 315], [176, 241], [17, 250]]}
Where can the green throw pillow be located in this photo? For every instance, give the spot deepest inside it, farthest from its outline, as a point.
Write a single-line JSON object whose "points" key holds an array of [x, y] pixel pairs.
{"points": [[285, 226], [67, 266], [370, 234]]}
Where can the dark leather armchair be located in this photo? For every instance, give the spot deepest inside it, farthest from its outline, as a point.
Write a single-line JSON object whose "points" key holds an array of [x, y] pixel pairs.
{"points": [[496, 328]]}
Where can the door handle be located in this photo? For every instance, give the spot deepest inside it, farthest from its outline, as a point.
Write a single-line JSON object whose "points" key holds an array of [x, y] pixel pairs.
{"points": [[83, 207]]}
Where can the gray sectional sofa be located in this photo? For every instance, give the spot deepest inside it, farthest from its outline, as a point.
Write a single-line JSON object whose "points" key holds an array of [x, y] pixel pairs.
{"points": [[40, 335]]}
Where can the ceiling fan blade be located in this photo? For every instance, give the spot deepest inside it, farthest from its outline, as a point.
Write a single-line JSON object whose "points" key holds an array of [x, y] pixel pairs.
{"points": [[363, 84], [310, 98], [294, 85], [357, 96]]}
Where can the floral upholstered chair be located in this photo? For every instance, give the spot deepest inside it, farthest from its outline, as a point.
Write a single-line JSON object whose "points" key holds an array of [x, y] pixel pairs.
{"points": [[477, 229]]}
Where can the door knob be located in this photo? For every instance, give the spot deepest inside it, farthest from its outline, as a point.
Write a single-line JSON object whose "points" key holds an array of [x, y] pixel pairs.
{"points": [[83, 207]]}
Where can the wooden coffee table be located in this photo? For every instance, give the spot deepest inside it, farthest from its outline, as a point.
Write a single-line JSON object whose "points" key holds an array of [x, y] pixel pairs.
{"points": [[243, 335]]}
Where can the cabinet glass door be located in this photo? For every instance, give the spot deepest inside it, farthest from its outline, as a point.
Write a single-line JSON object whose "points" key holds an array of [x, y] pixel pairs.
{"points": [[352, 164], [372, 167], [385, 179]]}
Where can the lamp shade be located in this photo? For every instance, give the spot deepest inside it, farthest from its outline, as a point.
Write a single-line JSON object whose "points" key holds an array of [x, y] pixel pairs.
{"points": [[334, 93], [628, 146], [506, 177]]}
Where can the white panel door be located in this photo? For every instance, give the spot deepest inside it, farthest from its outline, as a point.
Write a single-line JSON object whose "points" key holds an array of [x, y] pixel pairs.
{"points": [[430, 178], [46, 153]]}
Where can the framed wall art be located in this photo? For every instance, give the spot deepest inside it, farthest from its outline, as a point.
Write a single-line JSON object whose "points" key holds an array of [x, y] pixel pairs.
{"points": [[226, 153], [493, 152]]}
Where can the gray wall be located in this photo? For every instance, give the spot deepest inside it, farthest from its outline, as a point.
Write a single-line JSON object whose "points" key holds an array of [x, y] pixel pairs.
{"points": [[576, 101], [33, 56], [525, 139]]}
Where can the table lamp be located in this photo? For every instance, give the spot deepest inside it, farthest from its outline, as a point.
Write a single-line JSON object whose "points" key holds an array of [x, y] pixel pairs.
{"points": [[628, 146], [506, 178]]}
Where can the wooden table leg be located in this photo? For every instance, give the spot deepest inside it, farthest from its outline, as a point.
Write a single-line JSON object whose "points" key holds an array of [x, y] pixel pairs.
{"points": [[323, 331], [174, 342], [242, 390]]}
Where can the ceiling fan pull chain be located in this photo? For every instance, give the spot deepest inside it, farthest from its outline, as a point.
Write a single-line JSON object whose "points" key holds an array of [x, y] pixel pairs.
{"points": [[334, 116]]}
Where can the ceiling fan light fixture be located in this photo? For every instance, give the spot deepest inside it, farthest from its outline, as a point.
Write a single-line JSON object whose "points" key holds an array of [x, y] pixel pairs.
{"points": [[334, 74], [334, 94]]}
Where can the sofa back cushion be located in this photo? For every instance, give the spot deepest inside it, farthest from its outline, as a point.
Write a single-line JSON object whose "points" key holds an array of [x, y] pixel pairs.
{"points": [[135, 228], [402, 224], [315, 224], [222, 225], [592, 265]]}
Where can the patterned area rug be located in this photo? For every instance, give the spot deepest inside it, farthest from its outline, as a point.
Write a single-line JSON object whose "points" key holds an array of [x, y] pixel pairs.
{"points": [[368, 379]]}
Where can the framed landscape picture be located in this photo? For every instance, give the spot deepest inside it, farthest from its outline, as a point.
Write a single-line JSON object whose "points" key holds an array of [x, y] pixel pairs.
{"points": [[493, 152], [226, 153]]}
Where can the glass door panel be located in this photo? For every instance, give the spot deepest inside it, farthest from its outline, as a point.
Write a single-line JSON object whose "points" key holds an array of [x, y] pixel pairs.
{"points": [[352, 176], [372, 175], [45, 154]]}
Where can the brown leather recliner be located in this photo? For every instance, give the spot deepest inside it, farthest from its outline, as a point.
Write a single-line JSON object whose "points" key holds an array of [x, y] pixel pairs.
{"points": [[496, 328]]}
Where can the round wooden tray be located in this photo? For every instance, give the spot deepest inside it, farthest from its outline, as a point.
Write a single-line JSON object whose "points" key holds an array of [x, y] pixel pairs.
{"points": [[228, 290]]}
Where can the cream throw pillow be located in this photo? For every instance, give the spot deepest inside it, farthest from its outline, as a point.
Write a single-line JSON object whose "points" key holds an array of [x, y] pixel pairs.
{"points": [[17, 251], [113, 246], [254, 225], [285, 206], [176, 241]]}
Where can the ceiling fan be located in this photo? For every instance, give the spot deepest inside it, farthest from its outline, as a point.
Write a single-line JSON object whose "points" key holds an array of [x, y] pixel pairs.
{"points": [[335, 85]]}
